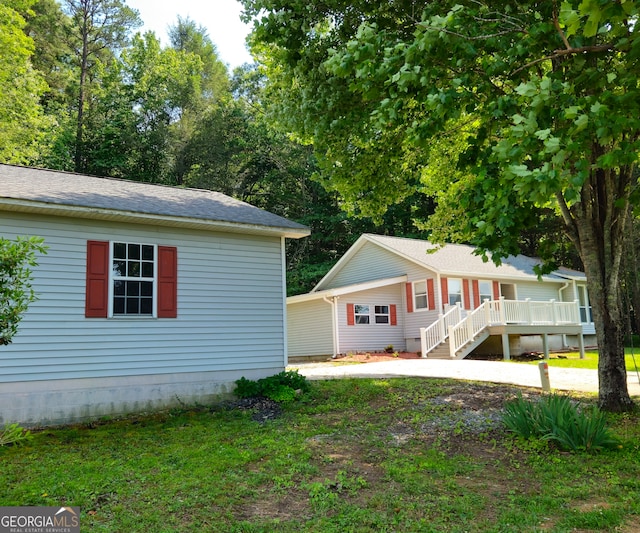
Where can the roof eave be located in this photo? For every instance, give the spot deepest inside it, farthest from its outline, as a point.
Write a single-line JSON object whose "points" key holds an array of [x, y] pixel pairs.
{"points": [[27, 206]]}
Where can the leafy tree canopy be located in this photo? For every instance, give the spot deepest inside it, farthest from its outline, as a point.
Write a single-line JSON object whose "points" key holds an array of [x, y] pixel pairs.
{"points": [[545, 97]]}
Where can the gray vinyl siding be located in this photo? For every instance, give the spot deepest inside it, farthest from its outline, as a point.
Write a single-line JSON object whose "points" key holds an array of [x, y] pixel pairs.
{"points": [[370, 263], [538, 290], [310, 328], [372, 337], [230, 306]]}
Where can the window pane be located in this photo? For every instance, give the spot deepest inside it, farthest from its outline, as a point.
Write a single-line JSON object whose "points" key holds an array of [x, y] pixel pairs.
{"points": [[134, 251], [421, 302], [147, 270], [133, 269], [362, 319], [133, 306], [119, 250], [133, 288], [382, 319], [118, 306], [119, 268], [361, 309], [382, 309], [420, 294], [118, 288], [146, 306], [147, 252], [146, 288], [486, 291]]}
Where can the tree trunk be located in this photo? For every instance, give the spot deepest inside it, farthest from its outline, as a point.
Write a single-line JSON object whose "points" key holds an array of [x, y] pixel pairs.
{"points": [[84, 64], [600, 222]]}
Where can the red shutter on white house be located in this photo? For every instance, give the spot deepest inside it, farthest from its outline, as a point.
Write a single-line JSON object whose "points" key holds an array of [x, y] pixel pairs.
{"points": [[496, 290], [97, 286], [167, 282], [444, 286], [351, 315], [466, 297], [409, 291], [394, 315], [476, 293]]}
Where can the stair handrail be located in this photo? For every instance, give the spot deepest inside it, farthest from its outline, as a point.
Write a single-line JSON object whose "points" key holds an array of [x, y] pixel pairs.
{"points": [[433, 335], [468, 328]]}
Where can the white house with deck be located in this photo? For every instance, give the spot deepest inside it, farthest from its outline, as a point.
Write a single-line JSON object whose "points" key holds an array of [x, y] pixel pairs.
{"points": [[439, 301], [149, 296]]}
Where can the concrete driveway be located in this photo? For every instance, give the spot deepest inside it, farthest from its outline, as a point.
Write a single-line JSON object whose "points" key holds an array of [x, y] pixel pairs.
{"points": [[570, 379]]}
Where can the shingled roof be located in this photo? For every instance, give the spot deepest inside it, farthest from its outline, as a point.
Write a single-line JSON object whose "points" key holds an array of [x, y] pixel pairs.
{"points": [[453, 260], [68, 194]]}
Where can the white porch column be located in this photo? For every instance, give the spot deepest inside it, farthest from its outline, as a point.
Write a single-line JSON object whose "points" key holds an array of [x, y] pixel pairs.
{"points": [[506, 353], [581, 345], [545, 345]]}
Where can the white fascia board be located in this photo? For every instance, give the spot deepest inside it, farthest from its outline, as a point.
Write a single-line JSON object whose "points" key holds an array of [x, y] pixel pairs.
{"points": [[26, 206], [341, 291]]}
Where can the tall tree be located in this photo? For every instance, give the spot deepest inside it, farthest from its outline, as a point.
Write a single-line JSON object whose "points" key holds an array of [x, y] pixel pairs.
{"points": [[553, 88], [99, 29], [23, 123]]}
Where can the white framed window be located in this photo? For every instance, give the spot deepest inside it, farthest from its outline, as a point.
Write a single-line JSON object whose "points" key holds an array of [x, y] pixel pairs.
{"points": [[485, 290], [454, 286], [133, 284], [362, 314], [381, 314], [420, 297], [586, 314]]}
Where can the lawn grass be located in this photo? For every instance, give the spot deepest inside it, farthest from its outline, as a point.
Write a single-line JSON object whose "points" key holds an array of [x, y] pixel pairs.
{"points": [[590, 361], [379, 455]]}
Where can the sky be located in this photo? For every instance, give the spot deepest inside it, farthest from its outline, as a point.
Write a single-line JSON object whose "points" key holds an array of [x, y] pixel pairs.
{"points": [[220, 17]]}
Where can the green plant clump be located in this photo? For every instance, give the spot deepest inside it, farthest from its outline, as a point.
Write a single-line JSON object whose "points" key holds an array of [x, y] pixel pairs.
{"points": [[14, 434], [559, 420], [280, 387]]}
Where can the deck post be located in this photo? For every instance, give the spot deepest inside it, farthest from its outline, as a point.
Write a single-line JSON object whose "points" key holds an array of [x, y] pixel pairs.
{"points": [[506, 353], [443, 333], [423, 342], [545, 345], [503, 319], [581, 345]]}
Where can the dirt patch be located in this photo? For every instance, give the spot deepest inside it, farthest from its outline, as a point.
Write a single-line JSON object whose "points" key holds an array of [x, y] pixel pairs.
{"points": [[375, 357]]}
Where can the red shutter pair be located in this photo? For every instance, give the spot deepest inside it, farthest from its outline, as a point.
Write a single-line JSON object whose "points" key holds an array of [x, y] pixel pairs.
{"points": [[97, 289], [431, 297], [351, 315]]}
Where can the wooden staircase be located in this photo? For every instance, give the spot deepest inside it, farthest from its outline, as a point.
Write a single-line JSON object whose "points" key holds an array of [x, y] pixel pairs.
{"points": [[443, 350]]}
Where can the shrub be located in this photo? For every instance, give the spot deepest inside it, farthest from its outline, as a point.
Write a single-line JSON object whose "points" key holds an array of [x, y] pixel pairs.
{"points": [[280, 387], [14, 434], [559, 420]]}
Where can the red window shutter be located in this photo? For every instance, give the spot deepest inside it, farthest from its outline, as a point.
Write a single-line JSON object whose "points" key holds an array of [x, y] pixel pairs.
{"points": [[394, 315], [167, 282], [431, 294], [496, 290], [444, 285], [351, 315], [476, 293], [97, 289], [409, 289], [466, 297]]}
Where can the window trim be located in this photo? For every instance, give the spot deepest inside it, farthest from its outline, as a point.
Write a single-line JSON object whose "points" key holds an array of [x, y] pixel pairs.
{"points": [[449, 293], [415, 295], [391, 314], [490, 283], [112, 279]]}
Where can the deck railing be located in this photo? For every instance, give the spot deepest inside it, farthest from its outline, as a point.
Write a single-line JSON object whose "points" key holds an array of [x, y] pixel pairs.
{"points": [[495, 313], [438, 332]]}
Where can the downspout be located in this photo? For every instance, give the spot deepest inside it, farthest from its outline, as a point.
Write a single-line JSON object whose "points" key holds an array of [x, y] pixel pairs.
{"points": [[333, 302]]}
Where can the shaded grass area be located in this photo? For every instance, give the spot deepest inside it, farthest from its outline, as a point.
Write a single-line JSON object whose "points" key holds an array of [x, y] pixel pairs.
{"points": [[383, 455]]}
